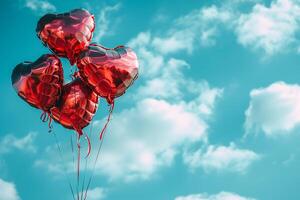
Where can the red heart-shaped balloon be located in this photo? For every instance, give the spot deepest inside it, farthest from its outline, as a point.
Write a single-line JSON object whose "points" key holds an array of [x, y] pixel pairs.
{"points": [[67, 34], [39, 83], [108, 71], [76, 107]]}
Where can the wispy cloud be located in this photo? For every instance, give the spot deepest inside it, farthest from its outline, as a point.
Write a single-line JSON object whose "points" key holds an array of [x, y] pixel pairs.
{"points": [[103, 22], [56, 163], [9, 143], [221, 158], [8, 191], [198, 28], [40, 6], [219, 196], [282, 101], [147, 56]]}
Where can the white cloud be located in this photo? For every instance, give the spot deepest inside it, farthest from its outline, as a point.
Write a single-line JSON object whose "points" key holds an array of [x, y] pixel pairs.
{"points": [[219, 196], [221, 158], [197, 27], [146, 137], [40, 5], [150, 61], [96, 193], [10, 142], [181, 40], [103, 23], [271, 29], [275, 110], [205, 102], [8, 191], [167, 84]]}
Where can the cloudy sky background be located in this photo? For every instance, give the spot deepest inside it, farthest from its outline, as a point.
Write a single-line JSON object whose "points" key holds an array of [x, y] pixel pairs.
{"points": [[214, 114]]}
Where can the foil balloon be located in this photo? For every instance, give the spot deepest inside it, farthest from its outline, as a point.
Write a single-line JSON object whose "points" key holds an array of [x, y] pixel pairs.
{"points": [[76, 107], [102, 72], [66, 34], [39, 83], [108, 71]]}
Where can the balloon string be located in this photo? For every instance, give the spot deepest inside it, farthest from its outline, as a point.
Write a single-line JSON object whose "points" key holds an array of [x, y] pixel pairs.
{"points": [[91, 177], [73, 153], [86, 163], [89, 145], [71, 75], [102, 136], [78, 164], [49, 122], [108, 119], [61, 158]]}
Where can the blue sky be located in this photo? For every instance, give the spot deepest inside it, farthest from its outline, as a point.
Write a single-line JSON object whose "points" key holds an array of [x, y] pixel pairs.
{"points": [[214, 114]]}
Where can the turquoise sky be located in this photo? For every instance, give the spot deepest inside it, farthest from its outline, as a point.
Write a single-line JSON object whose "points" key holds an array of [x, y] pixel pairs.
{"points": [[214, 114]]}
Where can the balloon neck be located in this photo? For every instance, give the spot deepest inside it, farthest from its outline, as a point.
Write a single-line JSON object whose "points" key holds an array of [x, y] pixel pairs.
{"points": [[79, 131], [110, 99]]}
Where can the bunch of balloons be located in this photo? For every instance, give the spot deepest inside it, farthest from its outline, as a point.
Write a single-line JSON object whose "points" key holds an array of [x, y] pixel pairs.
{"points": [[102, 72]]}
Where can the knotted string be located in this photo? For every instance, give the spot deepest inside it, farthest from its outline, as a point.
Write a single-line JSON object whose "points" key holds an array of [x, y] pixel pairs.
{"points": [[46, 116]]}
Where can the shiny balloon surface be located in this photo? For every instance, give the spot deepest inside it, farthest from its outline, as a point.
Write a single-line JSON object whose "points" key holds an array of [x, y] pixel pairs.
{"points": [[39, 83], [108, 71], [76, 107], [67, 34]]}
